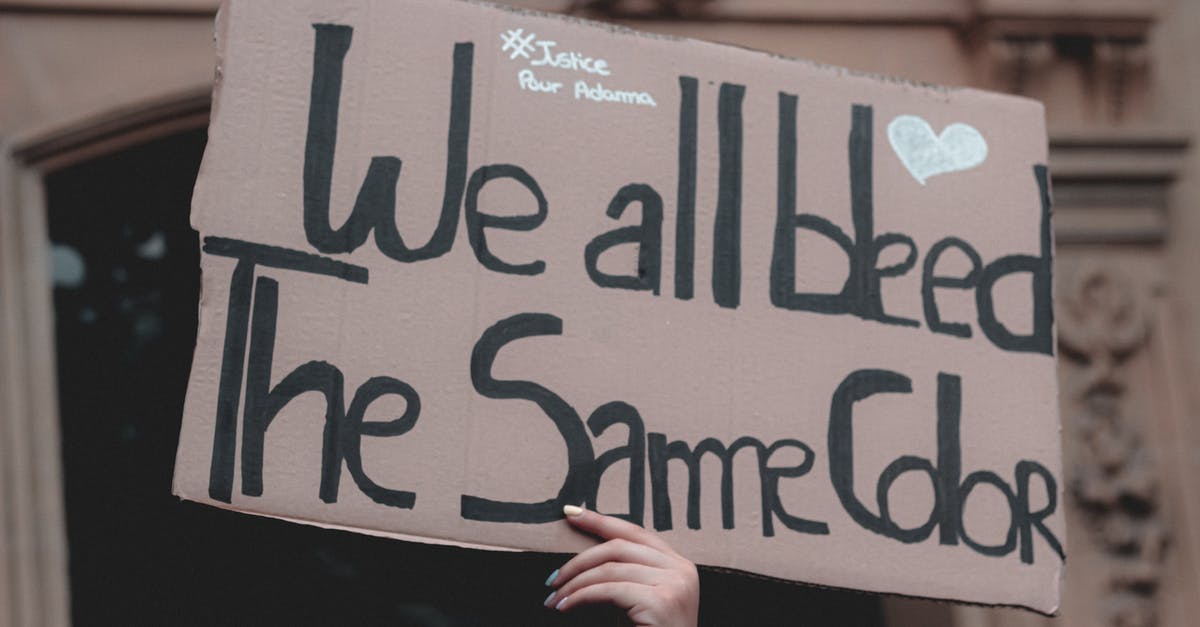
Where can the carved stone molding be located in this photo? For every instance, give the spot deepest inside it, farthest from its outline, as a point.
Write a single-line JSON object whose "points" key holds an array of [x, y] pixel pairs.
{"points": [[1122, 62], [1113, 485], [1016, 58], [1113, 66]]}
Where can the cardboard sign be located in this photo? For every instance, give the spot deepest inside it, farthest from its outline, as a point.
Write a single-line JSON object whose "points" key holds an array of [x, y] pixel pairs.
{"points": [[464, 265]]}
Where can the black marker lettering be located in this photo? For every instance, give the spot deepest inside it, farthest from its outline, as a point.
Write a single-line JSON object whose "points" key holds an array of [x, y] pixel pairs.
{"points": [[605, 416], [685, 210], [857, 386], [1027, 520], [229, 390], [964, 492], [264, 402], [647, 236], [477, 221], [930, 281], [1040, 340], [577, 485], [660, 452], [950, 494], [772, 505], [353, 428], [727, 226], [860, 294], [241, 291], [375, 206]]}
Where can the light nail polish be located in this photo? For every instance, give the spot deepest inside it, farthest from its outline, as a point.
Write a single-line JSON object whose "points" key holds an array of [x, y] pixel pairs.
{"points": [[551, 578], [572, 510], [549, 599], [558, 606]]}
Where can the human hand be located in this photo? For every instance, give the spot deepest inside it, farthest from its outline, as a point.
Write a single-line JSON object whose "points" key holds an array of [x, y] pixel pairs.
{"points": [[633, 569]]}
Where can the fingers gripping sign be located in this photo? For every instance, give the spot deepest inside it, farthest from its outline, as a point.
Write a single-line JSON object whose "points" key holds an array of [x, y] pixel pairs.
{"points": [[633, 569]]}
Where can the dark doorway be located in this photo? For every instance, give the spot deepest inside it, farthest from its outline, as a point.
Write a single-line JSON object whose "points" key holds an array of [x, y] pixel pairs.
{"points": [[126, 286]]}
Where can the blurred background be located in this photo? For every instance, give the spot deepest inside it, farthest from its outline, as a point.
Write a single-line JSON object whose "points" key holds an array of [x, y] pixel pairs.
{"points": [[103, 111]]}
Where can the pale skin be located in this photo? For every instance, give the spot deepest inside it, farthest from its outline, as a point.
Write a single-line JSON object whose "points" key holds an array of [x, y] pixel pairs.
{"points": [[633, 569]]}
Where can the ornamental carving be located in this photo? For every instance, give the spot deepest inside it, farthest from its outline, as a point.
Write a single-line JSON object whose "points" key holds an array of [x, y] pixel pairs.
{"points": [[1103, 322], [1114, 66]]}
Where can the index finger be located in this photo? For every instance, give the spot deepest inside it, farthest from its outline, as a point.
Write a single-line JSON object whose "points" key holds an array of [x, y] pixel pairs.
{"points": [[611, 528]]}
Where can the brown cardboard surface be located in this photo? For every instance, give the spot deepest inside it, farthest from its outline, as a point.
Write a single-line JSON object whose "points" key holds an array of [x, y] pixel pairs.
{"points": [[404, 328]]}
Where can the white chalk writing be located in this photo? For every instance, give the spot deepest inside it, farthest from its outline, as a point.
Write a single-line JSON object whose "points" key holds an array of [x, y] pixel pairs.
{"points": [[519, 45], [547, 55], [527, 80], [599, 93], [570, 60]]}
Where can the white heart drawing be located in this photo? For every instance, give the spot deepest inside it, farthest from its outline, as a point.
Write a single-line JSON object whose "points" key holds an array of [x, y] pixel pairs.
{"points": [[925, 154]]}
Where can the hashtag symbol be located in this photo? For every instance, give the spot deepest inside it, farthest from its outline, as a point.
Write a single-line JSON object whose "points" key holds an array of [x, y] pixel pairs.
{"points": [[519, 45]]}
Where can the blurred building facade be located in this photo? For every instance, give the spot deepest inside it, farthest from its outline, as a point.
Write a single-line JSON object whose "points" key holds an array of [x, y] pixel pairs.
{"points": [[83, 79]]}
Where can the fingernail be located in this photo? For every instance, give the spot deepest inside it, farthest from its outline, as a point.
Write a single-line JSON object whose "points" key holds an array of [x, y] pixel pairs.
{"points": [[572, 510], [551, 578], [549, 599], [558, 606]]}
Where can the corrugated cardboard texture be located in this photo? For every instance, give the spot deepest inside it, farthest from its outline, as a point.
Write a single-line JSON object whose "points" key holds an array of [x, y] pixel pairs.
{"points": [[465, 265]]}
